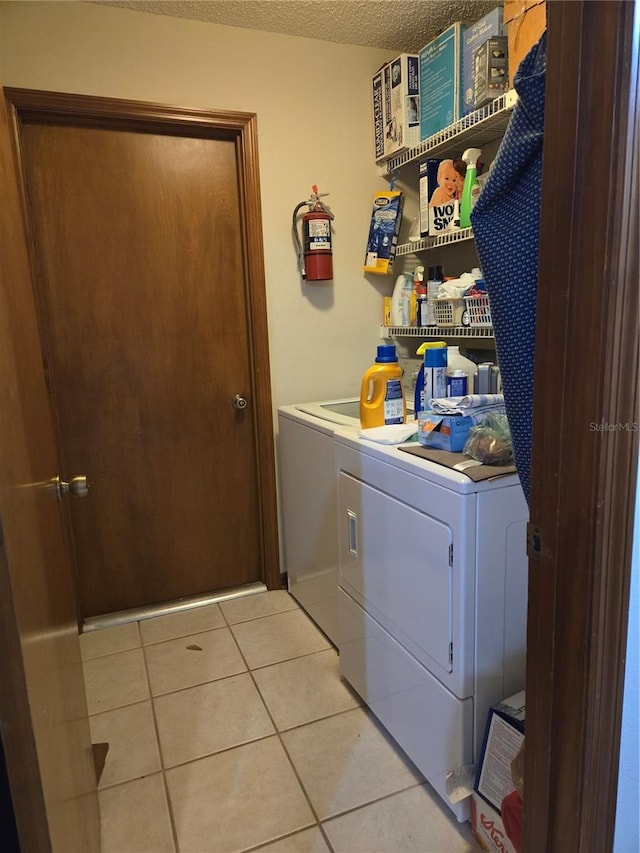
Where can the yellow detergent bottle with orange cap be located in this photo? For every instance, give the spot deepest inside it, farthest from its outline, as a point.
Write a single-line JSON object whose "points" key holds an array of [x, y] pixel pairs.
{"points": [[381, 395]]}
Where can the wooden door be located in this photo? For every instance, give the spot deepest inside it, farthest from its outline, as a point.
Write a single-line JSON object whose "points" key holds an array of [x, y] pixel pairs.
{"points": [[43, 712], [142, 282]]}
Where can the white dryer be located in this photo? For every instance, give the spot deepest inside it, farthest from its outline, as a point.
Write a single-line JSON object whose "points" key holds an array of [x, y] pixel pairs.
{"points": [[432, 598]]}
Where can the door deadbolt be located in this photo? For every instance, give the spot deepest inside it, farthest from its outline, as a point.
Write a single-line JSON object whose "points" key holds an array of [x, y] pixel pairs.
{"points": [[239, 402], [77, 486]]}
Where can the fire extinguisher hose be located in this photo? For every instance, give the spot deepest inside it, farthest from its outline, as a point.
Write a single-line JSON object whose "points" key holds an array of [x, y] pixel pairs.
{"points": [[296, 237]]}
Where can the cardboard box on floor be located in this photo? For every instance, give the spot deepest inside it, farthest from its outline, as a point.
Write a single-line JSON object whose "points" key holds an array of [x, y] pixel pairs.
{"points": [[502, 740], [525, 21], [488, 828]]}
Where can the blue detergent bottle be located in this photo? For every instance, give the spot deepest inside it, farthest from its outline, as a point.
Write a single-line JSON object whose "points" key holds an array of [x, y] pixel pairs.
{"points": [[431, 380]]}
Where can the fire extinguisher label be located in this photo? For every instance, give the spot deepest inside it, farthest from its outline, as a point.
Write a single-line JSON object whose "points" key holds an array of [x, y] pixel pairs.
{"points": [[319, 235]]}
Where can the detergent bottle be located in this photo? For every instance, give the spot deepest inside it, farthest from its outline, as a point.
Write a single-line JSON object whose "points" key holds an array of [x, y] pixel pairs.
{"points": [[381, 395], [401, 300], [431, 380], [460, 365]]}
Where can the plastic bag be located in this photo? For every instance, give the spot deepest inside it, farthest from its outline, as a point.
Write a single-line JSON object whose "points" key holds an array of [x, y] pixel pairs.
{"points": [[489, 442]]}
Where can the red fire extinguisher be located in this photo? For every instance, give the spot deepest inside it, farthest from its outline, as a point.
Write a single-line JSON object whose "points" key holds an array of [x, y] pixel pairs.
{"points": [[315, 259]]}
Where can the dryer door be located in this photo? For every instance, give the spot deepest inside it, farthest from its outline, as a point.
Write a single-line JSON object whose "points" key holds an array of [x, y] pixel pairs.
{"points": [[395, 562]]}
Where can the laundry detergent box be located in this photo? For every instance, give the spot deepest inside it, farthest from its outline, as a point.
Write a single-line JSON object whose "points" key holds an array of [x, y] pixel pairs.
{"points": [[487, 827], [475, 35], [441, 81], [491, 72], [396, 106], [383, 232], [402, 104], [440, 183], [378, 115], [443, 432], [503, 738]]}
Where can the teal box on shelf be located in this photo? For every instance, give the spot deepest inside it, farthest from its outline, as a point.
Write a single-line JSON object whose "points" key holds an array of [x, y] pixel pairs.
{"points": [[474, 36], [443, 432], [441, 81]]}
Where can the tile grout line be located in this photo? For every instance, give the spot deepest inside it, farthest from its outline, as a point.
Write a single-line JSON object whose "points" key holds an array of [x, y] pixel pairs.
{"points": [[248, 671], [246, 742], [319, 823], [277, 733], [379, 799], [174, 830]]}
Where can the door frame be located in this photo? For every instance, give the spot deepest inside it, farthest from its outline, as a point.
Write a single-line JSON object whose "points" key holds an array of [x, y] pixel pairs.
{"points": [[586, 375], [241, 128]]}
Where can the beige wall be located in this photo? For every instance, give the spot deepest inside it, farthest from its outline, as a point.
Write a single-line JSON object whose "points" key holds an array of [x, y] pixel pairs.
{"points": [[313, 108]]}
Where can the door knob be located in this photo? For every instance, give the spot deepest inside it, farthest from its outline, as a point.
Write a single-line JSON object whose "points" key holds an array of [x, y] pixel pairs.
{"points": [[239, 402], [77, 486]]}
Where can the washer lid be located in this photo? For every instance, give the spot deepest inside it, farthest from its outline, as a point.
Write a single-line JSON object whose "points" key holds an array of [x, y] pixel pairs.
{"points": [[345, 412]]}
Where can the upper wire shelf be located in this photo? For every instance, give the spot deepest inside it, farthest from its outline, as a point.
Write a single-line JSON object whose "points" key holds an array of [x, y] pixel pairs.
{"points": [[480, 127], [443, 239], [436, 332]]}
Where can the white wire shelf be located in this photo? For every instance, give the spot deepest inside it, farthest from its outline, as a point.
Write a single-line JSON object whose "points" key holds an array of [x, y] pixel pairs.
{"points": [[436, 332], [444, 239], [479, 127]]}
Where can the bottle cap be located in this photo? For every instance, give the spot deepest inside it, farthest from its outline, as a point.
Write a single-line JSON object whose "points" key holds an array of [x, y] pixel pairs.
{"points": [[430, 345], [435, 354], [386, 353]]}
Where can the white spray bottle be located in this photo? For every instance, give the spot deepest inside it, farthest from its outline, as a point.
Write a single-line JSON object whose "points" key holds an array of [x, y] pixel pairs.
{"points": [[470, 157]]}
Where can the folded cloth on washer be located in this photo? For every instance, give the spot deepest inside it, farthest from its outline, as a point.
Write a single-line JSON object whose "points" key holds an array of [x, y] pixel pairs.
{"points": [[476, 406], [390, 434]]}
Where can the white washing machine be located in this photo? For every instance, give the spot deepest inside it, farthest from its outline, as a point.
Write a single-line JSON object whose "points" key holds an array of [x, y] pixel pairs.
{"points": [[308, 503], [432, 599]]}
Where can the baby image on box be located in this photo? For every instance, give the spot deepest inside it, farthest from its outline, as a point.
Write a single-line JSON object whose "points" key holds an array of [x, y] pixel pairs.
{"points": [[450, 181]]}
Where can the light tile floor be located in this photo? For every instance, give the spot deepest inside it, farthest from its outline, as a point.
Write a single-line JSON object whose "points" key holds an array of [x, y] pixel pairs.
{"points": [[229, 729]]}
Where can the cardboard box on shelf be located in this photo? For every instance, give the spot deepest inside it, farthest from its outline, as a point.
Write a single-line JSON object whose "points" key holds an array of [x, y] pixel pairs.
{"points": [[383, 232], [475, 35], [396, 106], [491, 73], [402, 104], [503, 737], [488, 828], [378, 115], [525, 21], [441, 81], [440, 183]]}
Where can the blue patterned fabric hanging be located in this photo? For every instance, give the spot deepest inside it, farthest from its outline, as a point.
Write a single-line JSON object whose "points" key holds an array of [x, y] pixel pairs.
{"points": [[505, 222]]}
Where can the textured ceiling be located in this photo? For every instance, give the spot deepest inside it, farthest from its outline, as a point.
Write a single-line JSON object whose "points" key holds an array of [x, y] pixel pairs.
{"points": [[400, 25]]}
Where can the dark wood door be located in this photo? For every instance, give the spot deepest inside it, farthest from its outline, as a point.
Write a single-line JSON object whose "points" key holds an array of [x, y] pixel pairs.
{"points": [[43, 711], [139, 240]]}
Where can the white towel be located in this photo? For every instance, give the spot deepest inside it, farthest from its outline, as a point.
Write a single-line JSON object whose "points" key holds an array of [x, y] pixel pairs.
{"points": [[456, 288], [390, 434], [475, 406]]}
